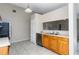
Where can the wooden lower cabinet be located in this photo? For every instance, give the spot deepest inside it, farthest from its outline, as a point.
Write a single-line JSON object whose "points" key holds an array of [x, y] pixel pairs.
{"points": [[53, 44], [56, 44], [45, 41], [63, 47], [4, 50]]}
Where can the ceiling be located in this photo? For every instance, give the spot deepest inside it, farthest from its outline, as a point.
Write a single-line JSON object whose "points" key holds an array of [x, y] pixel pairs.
{"points": [[41, 8]]}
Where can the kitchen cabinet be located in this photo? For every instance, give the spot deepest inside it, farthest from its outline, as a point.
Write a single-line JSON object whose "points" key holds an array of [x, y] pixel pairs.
{"points": [[53, 43], [4, 50], [63, 47], [45, 41], [56, 44]]}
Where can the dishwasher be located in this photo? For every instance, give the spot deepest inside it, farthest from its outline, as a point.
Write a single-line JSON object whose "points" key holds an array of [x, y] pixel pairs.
{"points": [[39, 39]]}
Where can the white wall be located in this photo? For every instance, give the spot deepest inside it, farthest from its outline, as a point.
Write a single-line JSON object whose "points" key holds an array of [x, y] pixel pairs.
{"points": [[72, 29], [58, 14], [20, 22]]}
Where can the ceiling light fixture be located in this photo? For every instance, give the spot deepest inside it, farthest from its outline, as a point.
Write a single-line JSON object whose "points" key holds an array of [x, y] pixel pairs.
{"points": [[28, 10]]}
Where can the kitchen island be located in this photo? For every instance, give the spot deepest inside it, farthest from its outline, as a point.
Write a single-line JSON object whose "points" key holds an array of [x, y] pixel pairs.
{"points": [[4, 46]]}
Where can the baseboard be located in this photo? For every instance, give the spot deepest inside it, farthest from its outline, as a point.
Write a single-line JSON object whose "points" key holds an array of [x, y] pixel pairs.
{"points": [[17, 41]]}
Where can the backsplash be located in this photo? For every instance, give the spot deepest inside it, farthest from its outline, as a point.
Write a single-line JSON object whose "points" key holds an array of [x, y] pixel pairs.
{"points": [[57, 31], [56, 25]]}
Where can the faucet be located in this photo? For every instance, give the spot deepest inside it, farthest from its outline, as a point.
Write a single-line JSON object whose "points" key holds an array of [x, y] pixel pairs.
{"points": [[56, 33]]}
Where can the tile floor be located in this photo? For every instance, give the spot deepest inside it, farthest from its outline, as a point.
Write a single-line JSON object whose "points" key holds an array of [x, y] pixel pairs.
{"points": [[28, 48]]}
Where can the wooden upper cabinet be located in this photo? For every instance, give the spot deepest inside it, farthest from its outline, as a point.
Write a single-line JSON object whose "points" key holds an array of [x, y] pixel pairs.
{"points": [[63, 46], [45, 41], [53, 43]]}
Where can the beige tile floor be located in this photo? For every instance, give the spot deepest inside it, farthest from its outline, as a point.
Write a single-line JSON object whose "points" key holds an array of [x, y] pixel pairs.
{"points": [[28, 48]]}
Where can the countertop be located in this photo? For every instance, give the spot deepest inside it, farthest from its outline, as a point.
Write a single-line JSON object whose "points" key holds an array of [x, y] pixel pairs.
{"points": [[64, 36], [4, 42]]}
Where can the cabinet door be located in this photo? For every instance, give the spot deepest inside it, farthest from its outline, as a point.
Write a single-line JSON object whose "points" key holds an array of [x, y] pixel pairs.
{"points": [[45, 41], [3, 50], [63, 46], [53, 43]]}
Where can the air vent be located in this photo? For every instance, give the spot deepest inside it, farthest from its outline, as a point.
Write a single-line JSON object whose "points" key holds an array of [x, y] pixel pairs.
{"points": [[14, 11]]}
